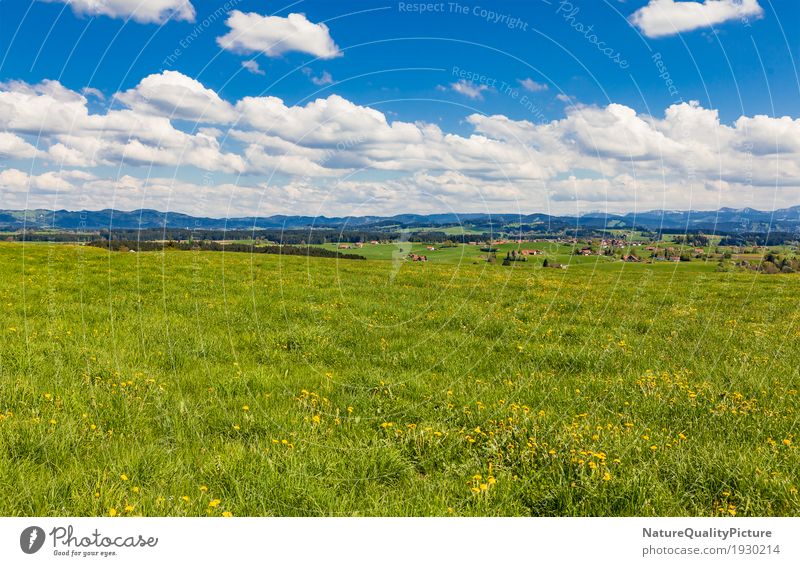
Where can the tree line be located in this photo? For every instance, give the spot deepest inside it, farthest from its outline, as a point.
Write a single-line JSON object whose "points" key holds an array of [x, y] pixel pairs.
{"points": [[210, 246]]}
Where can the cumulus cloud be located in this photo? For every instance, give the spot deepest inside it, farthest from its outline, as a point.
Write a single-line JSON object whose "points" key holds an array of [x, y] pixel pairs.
{"points": [[531, 85], [60, 118], [143, 11], [274, 35], [324, 79], [177, 96], [77, 190], [253, 67], [50, 182], [88, 91], [661, 18], [14, 147], [469, 89], [334, 149]]}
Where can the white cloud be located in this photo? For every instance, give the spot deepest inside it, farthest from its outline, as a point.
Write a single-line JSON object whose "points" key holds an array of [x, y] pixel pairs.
{"points": [[274, 35], [661, 18], [767, 136], [76, 190], [174, 95], [14, 147], [334, 149], [324, 79], [469, 89], [88, 91], [252, 66], [143, 11], [50, 182], [60, 118], [532, 85]]}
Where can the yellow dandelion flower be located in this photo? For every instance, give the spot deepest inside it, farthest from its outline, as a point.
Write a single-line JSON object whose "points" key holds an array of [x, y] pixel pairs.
{"points": [[245, 408], [135, 489], [214, 502], [227, 514], [606, 477], [123, 477], [185, 498], [128, 508], [236, 427], [203, 488], [112, 512]]}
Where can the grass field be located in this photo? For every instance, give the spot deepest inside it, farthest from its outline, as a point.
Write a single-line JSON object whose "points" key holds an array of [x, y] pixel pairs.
{"points": [[185, 383]]}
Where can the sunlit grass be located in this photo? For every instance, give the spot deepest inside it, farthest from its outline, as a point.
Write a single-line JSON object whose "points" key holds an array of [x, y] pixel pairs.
{"points": [[228, 384]]}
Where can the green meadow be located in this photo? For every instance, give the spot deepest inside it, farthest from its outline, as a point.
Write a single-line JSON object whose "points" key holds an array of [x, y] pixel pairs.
{"points": [[202, 383]]}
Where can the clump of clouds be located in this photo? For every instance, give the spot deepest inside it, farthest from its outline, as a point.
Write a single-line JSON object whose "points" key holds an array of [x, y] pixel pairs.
{"points": [[145, 12], [253, 67], [660, 18], [469, 89], [324, 79], [683, 157], [273, 35], [531, 85]]}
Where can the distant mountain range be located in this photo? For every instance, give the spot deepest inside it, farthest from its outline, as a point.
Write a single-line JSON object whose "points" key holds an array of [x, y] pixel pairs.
{"points": [[724, 220]]}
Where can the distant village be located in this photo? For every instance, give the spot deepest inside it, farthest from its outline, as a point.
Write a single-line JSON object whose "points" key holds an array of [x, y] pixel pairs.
{"points": [[685, 248]]}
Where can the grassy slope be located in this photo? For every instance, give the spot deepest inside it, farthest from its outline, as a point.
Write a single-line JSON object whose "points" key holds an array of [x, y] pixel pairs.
{"points": [[380, 388]]}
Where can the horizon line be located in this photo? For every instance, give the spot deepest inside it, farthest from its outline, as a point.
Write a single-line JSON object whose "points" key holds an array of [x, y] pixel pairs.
{"points": [[570, 215]]}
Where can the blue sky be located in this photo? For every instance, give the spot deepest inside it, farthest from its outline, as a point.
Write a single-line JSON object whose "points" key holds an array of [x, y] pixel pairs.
{"points": [[590, 67]]}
